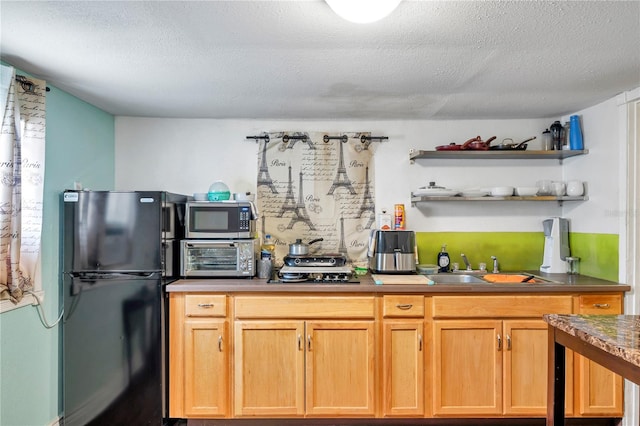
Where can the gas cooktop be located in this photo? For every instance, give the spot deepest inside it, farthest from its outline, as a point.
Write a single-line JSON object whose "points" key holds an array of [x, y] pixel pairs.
{"points": [[315, 274]]}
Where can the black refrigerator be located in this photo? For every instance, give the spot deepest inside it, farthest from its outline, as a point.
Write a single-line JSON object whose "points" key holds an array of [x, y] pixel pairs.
{"points": [[119, 250]]}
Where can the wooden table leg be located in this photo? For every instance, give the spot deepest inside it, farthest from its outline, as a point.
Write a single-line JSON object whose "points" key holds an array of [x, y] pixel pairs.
{"points": [[555, 381]]}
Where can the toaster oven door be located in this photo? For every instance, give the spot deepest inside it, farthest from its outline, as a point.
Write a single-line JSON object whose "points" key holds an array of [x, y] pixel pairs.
{"points": [[221, 258]]}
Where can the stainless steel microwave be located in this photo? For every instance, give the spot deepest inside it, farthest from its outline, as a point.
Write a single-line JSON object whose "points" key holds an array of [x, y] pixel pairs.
{"points": [[220, 220], [218, 258]]}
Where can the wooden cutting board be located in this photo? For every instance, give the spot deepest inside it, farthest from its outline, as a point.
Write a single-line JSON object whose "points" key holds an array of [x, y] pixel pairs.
{"points": [[399, 279]]}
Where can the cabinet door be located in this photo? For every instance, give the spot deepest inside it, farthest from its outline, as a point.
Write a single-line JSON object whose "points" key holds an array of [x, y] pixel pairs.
{"points": [[467, 367], [206, 384], [525, 357], [269, 368], [340, 368], [599, 391], [403, 368]]}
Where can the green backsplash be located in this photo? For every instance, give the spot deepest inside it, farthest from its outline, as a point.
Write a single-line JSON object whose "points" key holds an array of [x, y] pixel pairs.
{"points": [[515, 251]]}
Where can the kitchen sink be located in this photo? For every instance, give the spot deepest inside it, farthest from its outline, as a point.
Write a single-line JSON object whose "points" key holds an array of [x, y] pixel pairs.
{"points": [[460, 278], [456, 279]]}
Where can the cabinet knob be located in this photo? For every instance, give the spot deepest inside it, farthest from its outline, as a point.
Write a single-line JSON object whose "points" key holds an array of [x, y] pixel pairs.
{"points": [[499, 342], [220, 343], [601, 305], [205, 305]]}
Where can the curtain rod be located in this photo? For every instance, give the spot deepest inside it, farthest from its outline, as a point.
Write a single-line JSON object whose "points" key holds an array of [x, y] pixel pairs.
{"points": [[364, 139], [27, 85]]}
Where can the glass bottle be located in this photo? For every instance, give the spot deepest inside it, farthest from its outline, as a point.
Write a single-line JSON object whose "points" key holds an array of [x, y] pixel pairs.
{"points": [[556, 134], [565, 135], [546, 140]]}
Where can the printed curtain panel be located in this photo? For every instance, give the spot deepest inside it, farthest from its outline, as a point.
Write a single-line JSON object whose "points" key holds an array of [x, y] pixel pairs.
{"points": [[22, 154], [317, 185]]}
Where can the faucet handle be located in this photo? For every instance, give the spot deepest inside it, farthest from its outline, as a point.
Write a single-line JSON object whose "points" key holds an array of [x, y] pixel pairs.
{"points": [[495, 264]]}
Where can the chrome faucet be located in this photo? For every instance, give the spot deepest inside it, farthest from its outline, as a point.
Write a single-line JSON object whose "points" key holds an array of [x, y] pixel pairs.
{"points": [[466, 262], [495, 264]]}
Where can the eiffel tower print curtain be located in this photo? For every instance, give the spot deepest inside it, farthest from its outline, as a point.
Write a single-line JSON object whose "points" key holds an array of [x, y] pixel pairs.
{"points": [[317, 185]]}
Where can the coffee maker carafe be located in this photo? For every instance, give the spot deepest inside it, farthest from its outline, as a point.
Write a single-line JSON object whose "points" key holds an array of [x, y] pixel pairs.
{"points": [[556, 245]]}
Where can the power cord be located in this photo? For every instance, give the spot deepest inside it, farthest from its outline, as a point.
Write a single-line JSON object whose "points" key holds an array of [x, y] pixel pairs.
{"points": [[43, 318]]}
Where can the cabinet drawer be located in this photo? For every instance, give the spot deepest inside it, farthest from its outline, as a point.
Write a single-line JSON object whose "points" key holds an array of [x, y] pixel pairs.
{"points": [[304, 307], [500, 306], [403, 306], [596, 304], [205, 305]]}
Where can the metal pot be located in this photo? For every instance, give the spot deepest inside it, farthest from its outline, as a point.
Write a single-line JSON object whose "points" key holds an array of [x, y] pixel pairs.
{"points": [[299, 248]]}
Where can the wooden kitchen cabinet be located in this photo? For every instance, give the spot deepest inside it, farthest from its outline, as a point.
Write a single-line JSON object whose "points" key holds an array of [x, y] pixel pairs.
{"points": [[525, 357], [319, 366], [269, 368], [198, 356], [599, 392], [386, 355], [485, 365], [206, 368], [467, 367], [404, 344], [340, 368]]}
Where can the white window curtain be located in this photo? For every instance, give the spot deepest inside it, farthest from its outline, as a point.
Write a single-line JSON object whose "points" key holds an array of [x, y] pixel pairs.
{"points": [[22, 154]]}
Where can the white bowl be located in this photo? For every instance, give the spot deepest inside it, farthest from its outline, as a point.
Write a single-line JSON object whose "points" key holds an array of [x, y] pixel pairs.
{"points": [[200, 196], [502, 191], [526, 191]]}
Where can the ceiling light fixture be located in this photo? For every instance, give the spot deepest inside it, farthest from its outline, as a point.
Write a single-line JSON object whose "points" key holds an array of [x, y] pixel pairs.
{"points": [[363, 11]]}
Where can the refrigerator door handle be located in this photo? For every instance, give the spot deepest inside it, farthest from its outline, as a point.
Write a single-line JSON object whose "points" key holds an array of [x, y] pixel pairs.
{"points": [[83, 281], [93, 276]]}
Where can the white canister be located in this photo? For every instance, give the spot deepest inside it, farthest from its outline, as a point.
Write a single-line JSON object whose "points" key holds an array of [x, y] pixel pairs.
{"points": [[384, 221], [575, 188]]}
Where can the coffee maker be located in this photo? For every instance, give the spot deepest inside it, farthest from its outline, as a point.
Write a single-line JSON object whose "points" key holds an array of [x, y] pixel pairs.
{"points": [[556, 245], [392, 252]]}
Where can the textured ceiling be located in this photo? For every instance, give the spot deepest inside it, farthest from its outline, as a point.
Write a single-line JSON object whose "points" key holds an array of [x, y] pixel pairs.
{"points": [[298, 60]]}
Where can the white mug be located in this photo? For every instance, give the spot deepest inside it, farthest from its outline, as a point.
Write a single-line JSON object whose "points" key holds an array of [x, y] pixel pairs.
{"points": [[575, 188], [558, 188]]}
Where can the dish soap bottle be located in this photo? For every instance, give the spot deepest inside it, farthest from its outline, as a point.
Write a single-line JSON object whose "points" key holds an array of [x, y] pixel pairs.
{"points": [[267, 251], [443, 260]]}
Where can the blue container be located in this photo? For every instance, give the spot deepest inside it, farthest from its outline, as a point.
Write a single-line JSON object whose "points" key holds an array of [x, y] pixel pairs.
{"points": [[575, 134]]}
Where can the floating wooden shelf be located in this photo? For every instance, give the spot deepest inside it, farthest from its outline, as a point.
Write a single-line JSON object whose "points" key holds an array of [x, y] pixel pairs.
{"points": [[494, 154], [415, 199]]}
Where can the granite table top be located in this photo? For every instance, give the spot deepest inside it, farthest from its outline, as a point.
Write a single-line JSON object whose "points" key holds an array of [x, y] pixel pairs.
{"points": [[618, 335]]}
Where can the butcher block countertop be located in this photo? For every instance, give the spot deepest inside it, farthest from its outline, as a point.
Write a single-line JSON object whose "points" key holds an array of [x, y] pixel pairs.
{"points": [[563, 284]]}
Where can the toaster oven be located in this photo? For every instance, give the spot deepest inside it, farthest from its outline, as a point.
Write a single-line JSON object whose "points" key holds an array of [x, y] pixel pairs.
{"points": [[218, 258]]}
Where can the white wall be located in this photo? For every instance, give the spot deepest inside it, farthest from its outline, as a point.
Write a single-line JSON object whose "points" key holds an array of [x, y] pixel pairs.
{"points": [[186, 156], [603, 169]]}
